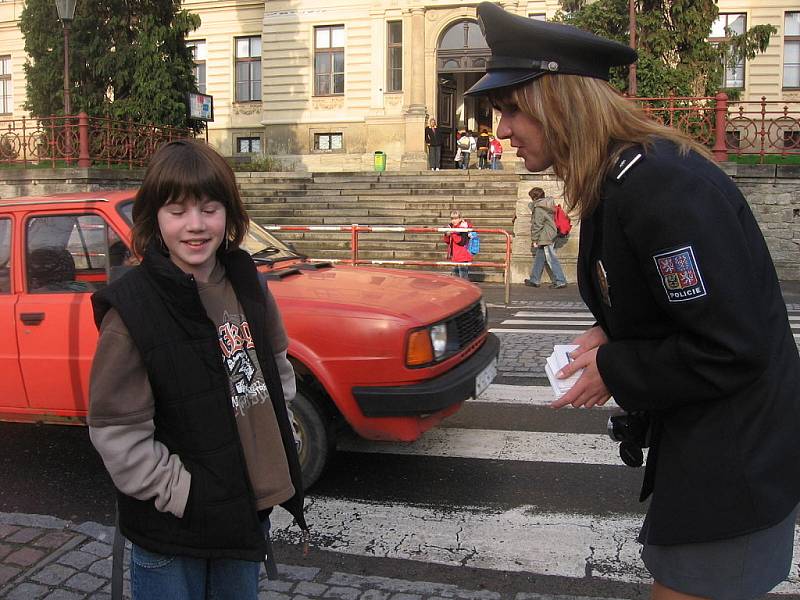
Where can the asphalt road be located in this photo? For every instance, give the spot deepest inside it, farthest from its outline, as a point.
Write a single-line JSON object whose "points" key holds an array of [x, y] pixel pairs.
{"points": [[508, 495]]}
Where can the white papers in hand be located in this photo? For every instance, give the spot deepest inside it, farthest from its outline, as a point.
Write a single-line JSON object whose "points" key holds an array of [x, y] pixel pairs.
{"points": [[557, 361]]}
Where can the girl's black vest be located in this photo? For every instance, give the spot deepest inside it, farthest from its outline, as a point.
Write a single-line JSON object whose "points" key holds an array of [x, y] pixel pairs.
{"points": [[161, 308]]}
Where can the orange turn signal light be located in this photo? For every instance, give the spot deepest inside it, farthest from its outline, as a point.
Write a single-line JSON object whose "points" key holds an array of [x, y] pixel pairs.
{"points": [[420, 351]]}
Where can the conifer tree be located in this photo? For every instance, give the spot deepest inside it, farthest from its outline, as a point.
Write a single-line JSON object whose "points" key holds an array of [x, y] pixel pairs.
{"points": [[675, 56], [128, 58]]}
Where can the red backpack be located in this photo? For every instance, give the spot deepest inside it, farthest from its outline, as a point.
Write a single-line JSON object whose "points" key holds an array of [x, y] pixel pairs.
{"points": [[563, 224]]}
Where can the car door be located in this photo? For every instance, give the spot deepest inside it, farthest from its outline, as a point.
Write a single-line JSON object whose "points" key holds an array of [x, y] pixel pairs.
{"points": [[65, 262], [12, 390]]}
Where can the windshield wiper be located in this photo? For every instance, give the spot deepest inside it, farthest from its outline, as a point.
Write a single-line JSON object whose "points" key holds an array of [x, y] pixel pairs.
{"points": [[265, 252]]}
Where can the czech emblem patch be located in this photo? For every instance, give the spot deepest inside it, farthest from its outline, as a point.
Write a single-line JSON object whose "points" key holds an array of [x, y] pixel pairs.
{"points": [[680, 274]]}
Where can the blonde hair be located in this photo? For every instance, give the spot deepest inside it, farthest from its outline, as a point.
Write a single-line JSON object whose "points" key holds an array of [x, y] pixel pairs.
{"points": [[586, 124]]}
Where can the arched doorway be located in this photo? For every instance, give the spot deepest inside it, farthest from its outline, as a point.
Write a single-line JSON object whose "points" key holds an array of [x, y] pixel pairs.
{"points": [[461, 57]]}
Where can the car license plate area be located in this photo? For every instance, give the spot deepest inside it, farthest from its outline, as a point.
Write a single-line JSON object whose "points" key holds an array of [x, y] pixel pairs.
{"points": [[485, 377]]}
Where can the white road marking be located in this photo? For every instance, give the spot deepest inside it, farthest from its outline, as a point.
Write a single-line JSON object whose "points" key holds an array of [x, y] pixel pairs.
{"points": [[491, 444], [529, 395], [521, 539], [583, 314], [543, 322], [547, 331]]}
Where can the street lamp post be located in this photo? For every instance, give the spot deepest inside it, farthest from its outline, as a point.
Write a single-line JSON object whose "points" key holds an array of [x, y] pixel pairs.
{"points": [[632, 29], [66, 12]]}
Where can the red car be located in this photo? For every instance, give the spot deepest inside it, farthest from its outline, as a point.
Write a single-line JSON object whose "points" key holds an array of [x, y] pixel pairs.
{"points": [[388, 352]]}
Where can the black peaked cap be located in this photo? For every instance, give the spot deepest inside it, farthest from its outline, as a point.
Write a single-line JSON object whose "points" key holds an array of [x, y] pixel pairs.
{"points": [[524, 49]]}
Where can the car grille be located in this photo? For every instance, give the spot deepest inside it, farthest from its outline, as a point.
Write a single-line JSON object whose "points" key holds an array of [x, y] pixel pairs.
{"points": [[469, 325]]}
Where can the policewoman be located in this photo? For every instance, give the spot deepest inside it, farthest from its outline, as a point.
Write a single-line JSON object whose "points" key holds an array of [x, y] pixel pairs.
{"points": [[691, 328]]}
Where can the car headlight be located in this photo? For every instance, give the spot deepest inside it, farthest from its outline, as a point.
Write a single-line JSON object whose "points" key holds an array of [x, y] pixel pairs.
{"points": [[439, 339]]}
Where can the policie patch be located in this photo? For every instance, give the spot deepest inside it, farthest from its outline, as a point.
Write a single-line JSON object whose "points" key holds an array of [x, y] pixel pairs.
{"points": [[680, 275]]}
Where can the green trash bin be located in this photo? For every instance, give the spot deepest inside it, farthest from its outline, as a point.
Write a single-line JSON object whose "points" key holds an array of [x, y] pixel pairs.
{"points": [[380, 161]]}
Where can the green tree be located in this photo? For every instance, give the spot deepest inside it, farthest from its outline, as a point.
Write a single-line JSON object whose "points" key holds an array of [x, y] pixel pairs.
{"points": [[675, 56], [128, 58]]}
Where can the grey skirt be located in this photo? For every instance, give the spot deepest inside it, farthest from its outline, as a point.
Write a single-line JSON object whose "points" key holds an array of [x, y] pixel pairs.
{"points": [[738, 568]]}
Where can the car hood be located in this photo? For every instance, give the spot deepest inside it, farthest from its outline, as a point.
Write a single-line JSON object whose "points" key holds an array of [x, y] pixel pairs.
{"points": [[420, 297]]}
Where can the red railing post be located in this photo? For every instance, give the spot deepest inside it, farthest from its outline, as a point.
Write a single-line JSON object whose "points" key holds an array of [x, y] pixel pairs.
{"points": [[763, 132], [354, 243], [720, 150], [84, 159], [24, 144]]}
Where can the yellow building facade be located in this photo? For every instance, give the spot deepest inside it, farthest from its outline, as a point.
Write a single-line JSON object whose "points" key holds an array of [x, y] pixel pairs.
{"points": [[324, 84]]}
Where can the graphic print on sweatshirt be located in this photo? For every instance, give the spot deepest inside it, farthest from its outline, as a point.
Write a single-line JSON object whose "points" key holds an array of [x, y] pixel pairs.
{"points": [[248, 388]]}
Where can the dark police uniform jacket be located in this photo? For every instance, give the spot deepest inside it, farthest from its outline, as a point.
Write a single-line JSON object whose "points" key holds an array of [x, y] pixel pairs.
{"points": [[677, 273], [161, 308]]}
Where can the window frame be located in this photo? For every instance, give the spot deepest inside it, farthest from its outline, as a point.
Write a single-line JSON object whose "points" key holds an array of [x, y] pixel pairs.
{"points": [[793, 39], [317, 135], [198, 63], [249, 60], [390, 68], [715, 40], [330, 51], [6, 86], [8, 248], [250, 139]]}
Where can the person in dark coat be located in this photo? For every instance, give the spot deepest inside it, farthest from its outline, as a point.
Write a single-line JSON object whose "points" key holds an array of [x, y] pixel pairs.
{"points": [[692, 336], [434, 141]]}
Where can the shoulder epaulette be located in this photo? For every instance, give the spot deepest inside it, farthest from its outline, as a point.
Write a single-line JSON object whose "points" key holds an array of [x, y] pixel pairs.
{"points": [[629, 158]]}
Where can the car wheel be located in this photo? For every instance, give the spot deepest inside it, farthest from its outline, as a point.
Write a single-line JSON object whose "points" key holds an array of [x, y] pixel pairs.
{"points": [[315, 439]]}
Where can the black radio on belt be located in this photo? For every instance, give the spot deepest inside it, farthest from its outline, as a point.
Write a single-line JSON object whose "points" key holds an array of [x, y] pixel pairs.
{"points": [[632, 431]]}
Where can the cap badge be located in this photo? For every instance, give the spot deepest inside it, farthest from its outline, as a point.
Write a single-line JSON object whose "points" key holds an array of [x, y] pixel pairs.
{"points": [[552, 66]]}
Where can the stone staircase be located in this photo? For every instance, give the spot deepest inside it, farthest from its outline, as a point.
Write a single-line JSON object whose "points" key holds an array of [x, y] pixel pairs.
{"points": [[422, 198]]}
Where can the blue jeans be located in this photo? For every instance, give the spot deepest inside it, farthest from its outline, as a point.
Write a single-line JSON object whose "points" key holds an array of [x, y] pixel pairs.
{"points": [[546, 253], [495, 163], [461, 271], [465, 160], [161, 577]]}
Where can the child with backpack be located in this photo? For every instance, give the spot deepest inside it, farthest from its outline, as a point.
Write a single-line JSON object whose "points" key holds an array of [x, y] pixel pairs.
{"points": [[495, 153], [543, 236], [458, 245]]}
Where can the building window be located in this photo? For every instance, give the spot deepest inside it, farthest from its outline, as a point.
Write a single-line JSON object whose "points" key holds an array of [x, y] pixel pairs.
{"points": [[394, 53], [329, 60], [198, 48], [327, 142], [791, 50], [6, 96], [728, 24], [248, 145], [248, 69], [537, 16]]}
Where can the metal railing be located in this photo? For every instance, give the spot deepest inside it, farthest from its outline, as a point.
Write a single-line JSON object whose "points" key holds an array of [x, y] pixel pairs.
{"points": [[355, 230], [82, 141], [763, 127]]}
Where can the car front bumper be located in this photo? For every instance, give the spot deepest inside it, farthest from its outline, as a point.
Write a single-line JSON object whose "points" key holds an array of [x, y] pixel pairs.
{"points": [[453, 387]]}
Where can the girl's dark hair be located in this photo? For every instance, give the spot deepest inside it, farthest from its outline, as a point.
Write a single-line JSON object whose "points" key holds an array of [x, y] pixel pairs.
{"points": [[184, 170]]}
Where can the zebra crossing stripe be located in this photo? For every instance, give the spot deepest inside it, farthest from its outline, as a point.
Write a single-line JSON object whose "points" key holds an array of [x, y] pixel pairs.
{"points": [[526, 395], [491, 444], [521, 539]]}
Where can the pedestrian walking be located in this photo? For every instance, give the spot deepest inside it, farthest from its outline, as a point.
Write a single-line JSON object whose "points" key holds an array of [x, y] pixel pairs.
{"points": [[543, 236], [189, 386], [434, 141], [482, 145], [457, 243], [692, 336], [465, 145], [495, 153]]}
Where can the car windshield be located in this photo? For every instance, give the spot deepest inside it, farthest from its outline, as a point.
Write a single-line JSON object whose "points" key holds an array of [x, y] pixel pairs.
{"points": [[259, 243]]}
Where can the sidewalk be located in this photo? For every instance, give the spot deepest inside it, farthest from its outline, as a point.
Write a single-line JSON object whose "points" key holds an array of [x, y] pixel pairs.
{"points": [[46, 558]]}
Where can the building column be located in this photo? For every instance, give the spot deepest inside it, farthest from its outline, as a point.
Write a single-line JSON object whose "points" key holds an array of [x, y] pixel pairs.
{"points": [[414, 156]]}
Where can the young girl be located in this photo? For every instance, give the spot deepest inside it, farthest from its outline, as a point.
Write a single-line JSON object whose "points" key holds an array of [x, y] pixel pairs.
{"points": [[691, 327], [189, 388], [457, 245]]}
